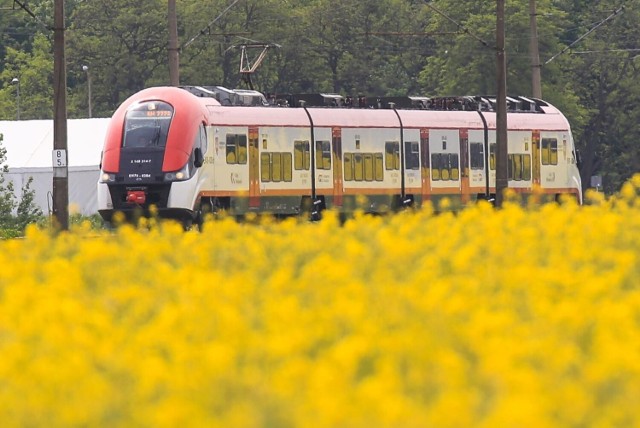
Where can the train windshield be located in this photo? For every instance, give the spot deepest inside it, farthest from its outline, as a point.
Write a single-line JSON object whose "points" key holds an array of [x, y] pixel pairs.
{"points": [[147, 124]]}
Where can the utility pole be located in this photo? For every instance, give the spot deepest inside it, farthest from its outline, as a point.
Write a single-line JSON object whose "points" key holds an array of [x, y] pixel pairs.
{"points": [[59, 156], [174, 66], [501, 108], [536, 79]]}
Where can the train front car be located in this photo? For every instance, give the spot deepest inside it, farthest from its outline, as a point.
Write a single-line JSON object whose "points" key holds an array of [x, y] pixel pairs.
{"points": [[152, 156]]}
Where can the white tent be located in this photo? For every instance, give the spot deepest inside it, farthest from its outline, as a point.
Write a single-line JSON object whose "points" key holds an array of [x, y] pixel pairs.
{"points": [[29, 145]]}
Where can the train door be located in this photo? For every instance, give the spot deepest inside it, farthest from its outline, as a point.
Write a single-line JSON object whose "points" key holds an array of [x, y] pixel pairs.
{"points": [[412, 178], [424, 164], [464, 164], [444, 148], [254, 174], [337, 166], [535, 148]]}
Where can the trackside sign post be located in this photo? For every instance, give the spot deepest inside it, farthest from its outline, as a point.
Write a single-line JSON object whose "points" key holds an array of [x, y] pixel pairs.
{"points": [[59, 158], [60, 178]]}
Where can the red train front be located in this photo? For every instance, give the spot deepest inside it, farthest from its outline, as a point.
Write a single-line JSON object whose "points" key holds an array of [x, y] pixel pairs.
{"points": [[152, 155]]}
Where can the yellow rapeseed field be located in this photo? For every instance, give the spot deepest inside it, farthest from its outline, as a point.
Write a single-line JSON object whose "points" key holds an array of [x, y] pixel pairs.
{"points": [[519, 317]]}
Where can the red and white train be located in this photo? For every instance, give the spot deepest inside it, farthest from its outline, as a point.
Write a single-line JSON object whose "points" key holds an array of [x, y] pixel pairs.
{"points": [[192, 149]]}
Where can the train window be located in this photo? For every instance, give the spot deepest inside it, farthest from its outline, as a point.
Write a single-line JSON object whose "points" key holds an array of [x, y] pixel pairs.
{"points": [[368, 167], [307, 157], [276, 167], [477, 155], [242, 150], [526, 167], [411, 155], [203, 139], [379, 166], [358, 170], [445, 172], [232, 156], [147, 125], [265, 167], [544, 152], [513, 173], [517, 167], [549, 152], [326, 155], [348, 166], [553, 158], [287, 170], [298, 151], [435, 166], [510, 168], [302, 156], [323, 155], [445, 166], [454, 164], [236, 149], [396, 155], [392, 154]]}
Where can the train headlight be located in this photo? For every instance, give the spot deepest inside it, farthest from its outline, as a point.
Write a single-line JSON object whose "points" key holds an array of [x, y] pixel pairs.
{"points": [[107, 177], [181, 175]]}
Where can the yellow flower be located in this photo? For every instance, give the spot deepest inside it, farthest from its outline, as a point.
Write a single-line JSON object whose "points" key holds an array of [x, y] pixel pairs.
{"points": [[523, 316]]}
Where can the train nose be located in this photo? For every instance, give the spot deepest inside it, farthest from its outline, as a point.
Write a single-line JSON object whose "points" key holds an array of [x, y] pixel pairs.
{"points": [[136, 197]]}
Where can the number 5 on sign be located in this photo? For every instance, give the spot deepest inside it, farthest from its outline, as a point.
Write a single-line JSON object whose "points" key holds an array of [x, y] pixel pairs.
{"points": [[59, 158]]}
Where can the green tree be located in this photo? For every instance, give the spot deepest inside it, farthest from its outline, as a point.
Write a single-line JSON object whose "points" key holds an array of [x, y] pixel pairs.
{"points": [[604, 70], [15, 214], [34, 69], [211, 51], [123, 43], [374, 47]]}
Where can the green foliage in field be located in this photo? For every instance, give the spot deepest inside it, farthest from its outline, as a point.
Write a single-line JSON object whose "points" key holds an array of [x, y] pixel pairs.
{"points": [[15, 213]]}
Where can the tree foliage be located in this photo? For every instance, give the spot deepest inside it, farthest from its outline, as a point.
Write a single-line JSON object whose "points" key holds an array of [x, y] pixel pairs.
{"points": [[15, 213], [372, 47]]}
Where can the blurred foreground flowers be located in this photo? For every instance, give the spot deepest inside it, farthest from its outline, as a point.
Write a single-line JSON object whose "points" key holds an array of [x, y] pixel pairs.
{"points": [[516, 317]]}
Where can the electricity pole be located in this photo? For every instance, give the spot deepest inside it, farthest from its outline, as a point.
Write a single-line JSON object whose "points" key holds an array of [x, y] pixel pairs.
{"points": [[501, 108], [536, 79], [174, 67], [59, 156]]}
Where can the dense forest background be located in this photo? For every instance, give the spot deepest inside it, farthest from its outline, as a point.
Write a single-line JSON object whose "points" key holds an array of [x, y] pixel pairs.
{"points": [[372, 47]]}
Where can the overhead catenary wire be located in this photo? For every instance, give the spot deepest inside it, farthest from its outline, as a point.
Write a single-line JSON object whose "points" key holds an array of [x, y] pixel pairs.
{"points": [[605, 51], [23, 6], [459, 25], [208, 27], [594, 28]]}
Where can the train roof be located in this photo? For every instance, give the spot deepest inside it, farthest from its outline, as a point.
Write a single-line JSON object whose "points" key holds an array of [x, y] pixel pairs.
{"points": [[229, 97], [245, 97], [328, 110], [382, 118]]}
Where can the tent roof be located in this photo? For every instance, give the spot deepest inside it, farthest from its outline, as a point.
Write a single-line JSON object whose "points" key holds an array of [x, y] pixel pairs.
{"points": [[29, 143]]}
